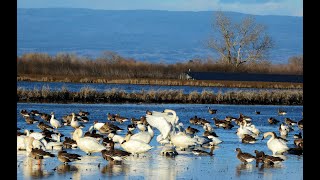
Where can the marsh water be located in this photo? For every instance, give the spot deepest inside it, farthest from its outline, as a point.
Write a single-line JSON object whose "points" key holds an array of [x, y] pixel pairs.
{"points": [[151, 165], [76, 87]]}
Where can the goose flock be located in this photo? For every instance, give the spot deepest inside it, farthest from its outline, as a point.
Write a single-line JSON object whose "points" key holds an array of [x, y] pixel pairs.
{"points": [[102, 137]]}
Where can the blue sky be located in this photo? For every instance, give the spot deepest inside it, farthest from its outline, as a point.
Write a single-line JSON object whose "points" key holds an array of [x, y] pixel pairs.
{"points": [[258, 7]]}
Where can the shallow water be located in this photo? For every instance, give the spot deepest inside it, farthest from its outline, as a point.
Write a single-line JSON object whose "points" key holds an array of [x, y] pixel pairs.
{"points": [[151, 165], [100, 87]]}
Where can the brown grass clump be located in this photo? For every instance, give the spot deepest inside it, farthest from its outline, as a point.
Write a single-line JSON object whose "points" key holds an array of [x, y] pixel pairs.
{"points": [[89, 95]]}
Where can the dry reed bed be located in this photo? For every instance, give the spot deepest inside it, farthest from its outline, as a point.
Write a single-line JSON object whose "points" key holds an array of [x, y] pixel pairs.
{"points": [[90, 95]]}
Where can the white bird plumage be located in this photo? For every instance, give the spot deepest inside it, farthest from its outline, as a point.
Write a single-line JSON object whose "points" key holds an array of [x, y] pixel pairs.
{"points": [[87, 144], [276, 145]]}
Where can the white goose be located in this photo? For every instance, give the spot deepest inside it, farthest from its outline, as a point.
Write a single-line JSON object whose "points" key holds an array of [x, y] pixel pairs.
{"points": [[54, 122], [276, 145], [144, 136], [74, 123], [134, 146], [87, 144]]}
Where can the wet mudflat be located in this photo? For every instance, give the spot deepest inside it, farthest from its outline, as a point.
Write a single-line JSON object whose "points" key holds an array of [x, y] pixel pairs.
{"points": [[151, 165]]}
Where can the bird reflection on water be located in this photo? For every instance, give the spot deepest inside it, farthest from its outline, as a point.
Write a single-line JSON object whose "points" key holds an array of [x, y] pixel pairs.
{"points": [[34, 168], [66, 168]]}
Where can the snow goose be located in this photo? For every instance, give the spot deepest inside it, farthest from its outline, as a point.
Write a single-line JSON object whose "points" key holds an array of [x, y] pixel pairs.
{"points": [[275, 144], [54, 122], [87, 144], [75, 123]]}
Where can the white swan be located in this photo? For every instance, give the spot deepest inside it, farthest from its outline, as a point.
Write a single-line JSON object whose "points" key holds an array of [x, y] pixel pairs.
{"points": [[253, 129], [87, 144], [173, 119], [134, 146], [243, 129], [115, 138], [96, 126], [21, 142], [277, 146], [54, 122], [144, 136], [36, 135], [160, 123], [161, 140], [52, 145], [182, 140]]}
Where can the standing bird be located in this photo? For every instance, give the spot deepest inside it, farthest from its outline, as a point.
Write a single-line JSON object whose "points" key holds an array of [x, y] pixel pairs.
{"points": [[75, 123], [54, 122], [275, 144], [65, 157], [244, 157]]}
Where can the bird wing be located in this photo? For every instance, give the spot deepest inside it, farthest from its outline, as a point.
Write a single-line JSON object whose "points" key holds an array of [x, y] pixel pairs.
{"points": [[160, 123]]}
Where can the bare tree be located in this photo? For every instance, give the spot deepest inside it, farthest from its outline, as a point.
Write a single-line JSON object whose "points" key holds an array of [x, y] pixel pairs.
{"points": [[238, 43]]}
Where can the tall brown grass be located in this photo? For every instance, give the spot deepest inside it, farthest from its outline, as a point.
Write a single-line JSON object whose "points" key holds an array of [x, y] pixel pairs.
{"points": [[89, 95], [113, 66]]}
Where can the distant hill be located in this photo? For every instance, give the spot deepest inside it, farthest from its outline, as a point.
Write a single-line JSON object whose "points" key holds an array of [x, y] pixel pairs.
{"points": [[151, 35]]}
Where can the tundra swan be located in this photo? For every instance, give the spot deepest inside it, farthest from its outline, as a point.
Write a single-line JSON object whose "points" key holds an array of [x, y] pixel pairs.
{"points": [[275, 144], [87, 144]]}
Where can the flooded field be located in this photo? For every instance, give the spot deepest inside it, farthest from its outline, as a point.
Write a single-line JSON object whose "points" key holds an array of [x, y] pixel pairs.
{"points": [[151, 165]]}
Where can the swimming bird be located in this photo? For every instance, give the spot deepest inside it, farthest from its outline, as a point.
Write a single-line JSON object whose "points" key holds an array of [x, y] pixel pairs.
{"points": [[45, 117], [281, 112], [289, 121], [66, 157], [120, 119], [272, 120], [244, 157], [275, 144], [87, 144], [30, 120], [212, 111]]}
